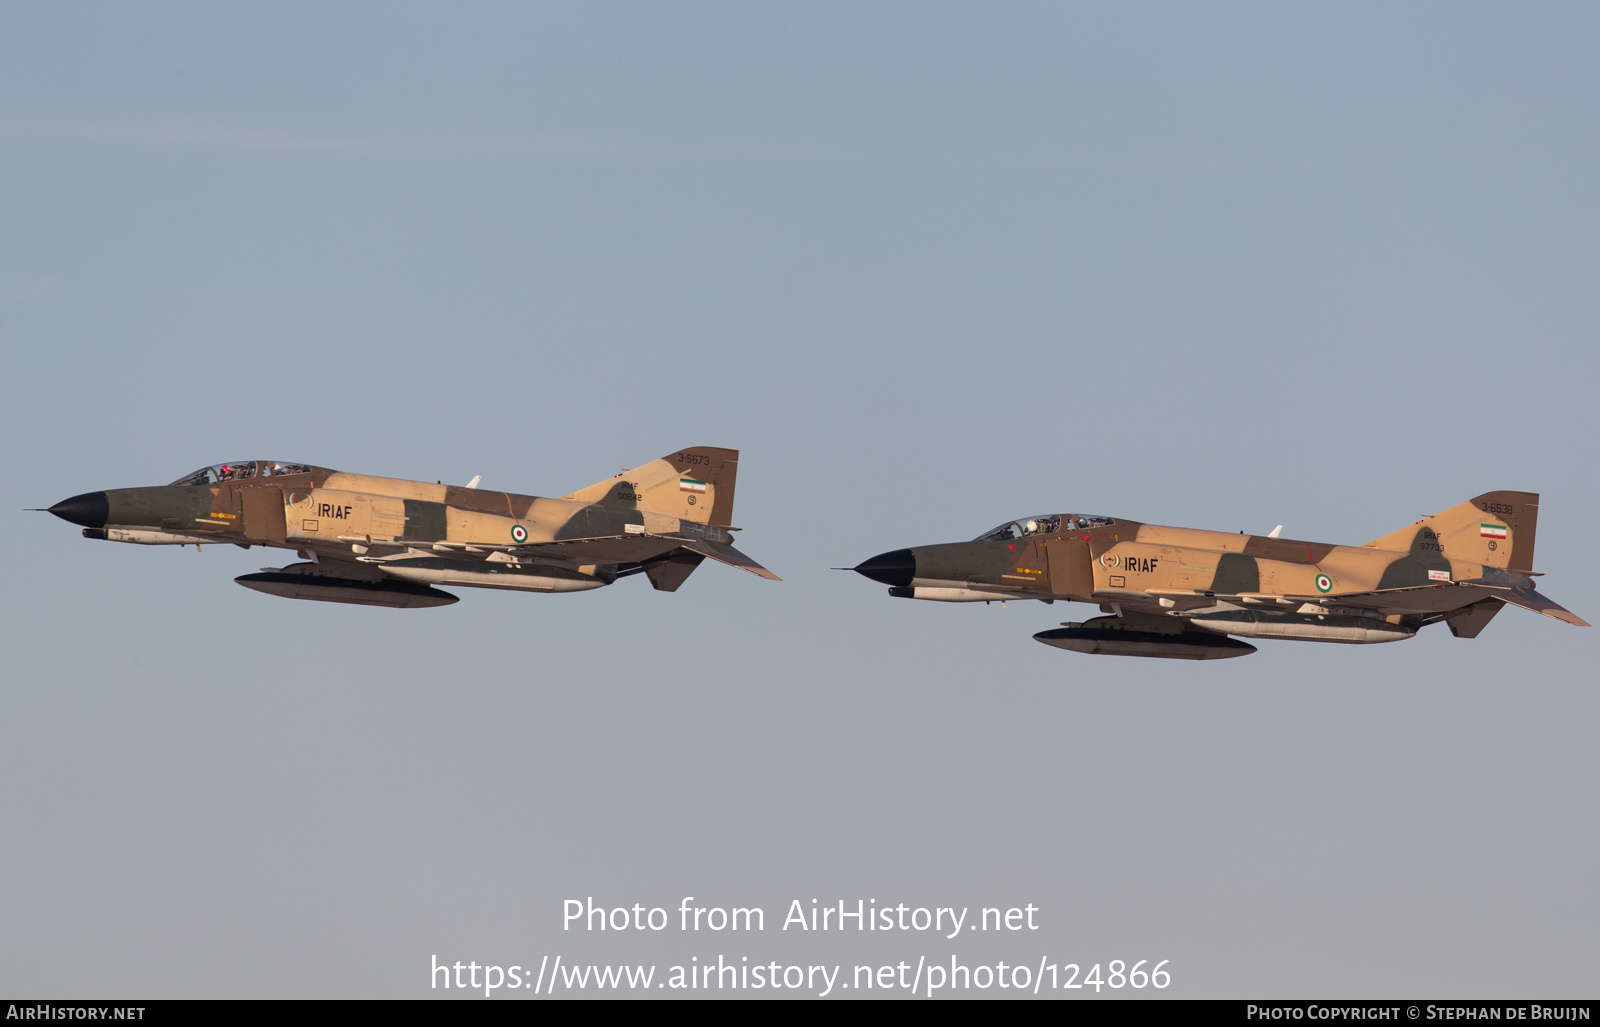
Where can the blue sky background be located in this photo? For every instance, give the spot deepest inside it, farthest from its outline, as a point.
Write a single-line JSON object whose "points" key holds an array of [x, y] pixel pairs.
{"points": [[928, 266]]}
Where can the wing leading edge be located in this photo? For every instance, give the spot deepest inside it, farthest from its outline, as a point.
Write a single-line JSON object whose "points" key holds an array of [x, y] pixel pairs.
{"points": [[1440, 598], [607, 549]]}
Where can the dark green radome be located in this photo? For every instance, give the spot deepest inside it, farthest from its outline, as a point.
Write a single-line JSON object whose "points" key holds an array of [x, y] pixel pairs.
{"points": [[91, 509]]}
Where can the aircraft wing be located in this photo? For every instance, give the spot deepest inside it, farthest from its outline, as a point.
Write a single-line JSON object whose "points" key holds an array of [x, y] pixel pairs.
{"points": [[602, 549], [637, 548], [1409, 599], [606, 549], [1431, 598]]}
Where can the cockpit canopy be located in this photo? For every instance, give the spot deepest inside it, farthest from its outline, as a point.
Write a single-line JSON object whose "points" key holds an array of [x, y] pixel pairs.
{"points": [[239, 470], [1044, 524]]}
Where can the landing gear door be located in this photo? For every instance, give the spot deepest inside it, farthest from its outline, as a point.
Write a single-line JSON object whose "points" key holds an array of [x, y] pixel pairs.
{"points": [[263, 513], [1070, 570]]}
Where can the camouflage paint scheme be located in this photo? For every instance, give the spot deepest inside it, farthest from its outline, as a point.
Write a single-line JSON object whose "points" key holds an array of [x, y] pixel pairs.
{"points": [[383, 541], [1460, 567]]}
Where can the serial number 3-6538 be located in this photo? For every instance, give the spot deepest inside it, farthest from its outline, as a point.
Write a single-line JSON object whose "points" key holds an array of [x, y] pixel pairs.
{"points": [[1117, 975]]}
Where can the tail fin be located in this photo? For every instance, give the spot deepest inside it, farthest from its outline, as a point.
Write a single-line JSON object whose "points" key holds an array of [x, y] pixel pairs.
{"points": [[1496, 529], [694, 484]]}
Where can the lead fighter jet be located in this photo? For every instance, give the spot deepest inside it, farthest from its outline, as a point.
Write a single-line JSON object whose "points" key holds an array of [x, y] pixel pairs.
{"points": [[1179, 593], [388, 541]]}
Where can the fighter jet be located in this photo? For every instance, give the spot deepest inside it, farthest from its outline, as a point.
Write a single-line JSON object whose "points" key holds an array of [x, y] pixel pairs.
{"points": [[387, 541], [1180, 593]]}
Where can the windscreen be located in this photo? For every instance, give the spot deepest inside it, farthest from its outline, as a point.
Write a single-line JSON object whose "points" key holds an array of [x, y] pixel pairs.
{"points": [[1044, 524], [239, 470]]}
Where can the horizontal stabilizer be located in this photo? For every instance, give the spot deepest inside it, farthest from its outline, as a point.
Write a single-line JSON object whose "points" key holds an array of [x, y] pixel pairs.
{"points": [[1528, 599], [725, 553]]}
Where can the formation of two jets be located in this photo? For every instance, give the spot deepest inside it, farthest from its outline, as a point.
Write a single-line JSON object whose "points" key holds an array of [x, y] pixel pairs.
{"points": [[1178, 593]]}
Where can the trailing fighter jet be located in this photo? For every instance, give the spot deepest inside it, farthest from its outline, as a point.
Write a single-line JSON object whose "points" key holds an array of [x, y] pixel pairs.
{"points": [[1179, 593], [388, 541]]}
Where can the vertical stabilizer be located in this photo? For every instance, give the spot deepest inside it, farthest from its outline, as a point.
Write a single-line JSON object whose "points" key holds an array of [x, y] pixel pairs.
{"points": [[693, 484], [1496, 529]]}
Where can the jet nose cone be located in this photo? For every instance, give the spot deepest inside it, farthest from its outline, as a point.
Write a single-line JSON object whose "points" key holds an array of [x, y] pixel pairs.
{"points": [[896, 568], [90, 509]]}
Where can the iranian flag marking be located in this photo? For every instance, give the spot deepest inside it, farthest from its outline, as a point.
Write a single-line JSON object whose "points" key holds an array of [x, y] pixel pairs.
{"points": [[691, 485], [1492, 530]]}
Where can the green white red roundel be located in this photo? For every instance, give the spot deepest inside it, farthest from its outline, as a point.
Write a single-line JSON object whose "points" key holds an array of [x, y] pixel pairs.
{"points": [[519, 534], [1324, 583]]}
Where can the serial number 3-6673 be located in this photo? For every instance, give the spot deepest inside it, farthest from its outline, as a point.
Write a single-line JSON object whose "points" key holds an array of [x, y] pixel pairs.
{"points": [[694, 458]]}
